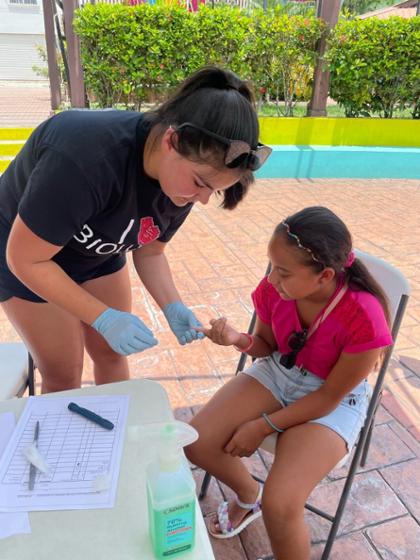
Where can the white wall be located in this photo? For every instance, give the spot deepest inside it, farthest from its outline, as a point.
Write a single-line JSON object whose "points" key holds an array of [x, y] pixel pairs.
{"points": [[21, 29], [21, 18]]}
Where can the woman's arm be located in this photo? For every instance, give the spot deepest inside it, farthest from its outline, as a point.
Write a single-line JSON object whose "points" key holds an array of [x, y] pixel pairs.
{"points": [[153, 270], [29, 258], [348, 372]]}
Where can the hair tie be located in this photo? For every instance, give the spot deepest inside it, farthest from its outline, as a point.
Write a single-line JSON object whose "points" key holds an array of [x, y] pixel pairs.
{"points": [[350, 260]]}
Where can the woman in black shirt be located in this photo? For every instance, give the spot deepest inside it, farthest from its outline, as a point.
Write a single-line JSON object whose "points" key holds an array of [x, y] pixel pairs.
{"points": [[89, 186]]}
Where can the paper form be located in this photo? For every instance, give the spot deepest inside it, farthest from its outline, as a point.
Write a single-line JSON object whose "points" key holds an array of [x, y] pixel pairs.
{"points": [[10, 523], [76, 450]]}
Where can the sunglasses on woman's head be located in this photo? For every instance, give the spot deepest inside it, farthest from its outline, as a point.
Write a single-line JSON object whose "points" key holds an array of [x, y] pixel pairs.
{"points": [[296, 342], [237, 151]]}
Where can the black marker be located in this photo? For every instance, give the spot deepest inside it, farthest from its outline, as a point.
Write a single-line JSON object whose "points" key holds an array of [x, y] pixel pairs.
{"points": [[91, 416]]}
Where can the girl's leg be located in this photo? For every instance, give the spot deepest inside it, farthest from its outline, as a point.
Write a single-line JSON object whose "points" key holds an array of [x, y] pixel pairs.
{"points": [[240, 400], [305, 454], [53, 337], [114, 290]]}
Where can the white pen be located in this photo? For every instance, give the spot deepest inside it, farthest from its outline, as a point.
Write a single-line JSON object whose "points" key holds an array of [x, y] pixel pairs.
{"points": [[32, 468]]}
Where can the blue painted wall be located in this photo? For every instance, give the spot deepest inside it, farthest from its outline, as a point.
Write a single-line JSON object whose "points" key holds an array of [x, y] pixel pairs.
{"points": [[341, 162]]}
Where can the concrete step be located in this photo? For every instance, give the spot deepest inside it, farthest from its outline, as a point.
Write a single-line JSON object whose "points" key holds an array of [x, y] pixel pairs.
{"points": [[11, 142], [10, 147]]}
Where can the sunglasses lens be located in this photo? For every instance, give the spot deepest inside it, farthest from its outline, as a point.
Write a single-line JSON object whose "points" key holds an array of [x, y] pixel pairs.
{"points": [[236, 153], [263, 152], [288, 360]]}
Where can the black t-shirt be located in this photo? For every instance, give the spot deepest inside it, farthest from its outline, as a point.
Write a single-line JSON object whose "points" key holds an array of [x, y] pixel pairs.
{"points": [[79, 182]]}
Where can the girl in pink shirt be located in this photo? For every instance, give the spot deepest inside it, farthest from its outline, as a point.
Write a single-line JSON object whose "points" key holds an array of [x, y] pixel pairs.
{"points": [[322, 324]]}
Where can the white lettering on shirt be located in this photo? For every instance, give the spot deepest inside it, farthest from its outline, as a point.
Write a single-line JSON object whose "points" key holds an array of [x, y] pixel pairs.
{"points": [[125, 232], [87, 237]]}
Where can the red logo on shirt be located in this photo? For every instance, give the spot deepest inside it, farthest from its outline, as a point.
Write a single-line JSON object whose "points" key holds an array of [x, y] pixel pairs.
{"points": [[148, 231]]}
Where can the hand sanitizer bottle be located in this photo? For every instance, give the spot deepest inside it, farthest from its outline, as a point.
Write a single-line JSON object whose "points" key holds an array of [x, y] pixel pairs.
{"points": [[171, 492]]}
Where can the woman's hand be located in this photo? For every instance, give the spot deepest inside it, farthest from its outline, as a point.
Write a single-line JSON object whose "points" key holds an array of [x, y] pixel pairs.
{"points": [[183, 322], [221, 332], [247, 438], [124, 332]]}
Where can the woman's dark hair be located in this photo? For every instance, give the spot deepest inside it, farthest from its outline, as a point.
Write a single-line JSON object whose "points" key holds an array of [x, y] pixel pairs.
{"points": [[328, 243], [218, 101]]}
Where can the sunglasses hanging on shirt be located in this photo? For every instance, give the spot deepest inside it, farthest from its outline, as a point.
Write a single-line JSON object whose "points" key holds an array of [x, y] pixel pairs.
{"points": [[298, 339], [237, 152], [295, 342]]}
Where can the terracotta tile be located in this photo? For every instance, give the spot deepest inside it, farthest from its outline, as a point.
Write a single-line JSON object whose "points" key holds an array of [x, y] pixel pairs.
{"points": [[385, 449], [397, 370], [404, 480], [407, 392], [370, 501], [382, 416], [398, 539], [415, 432], [349, 546], [406, 437], [396, 409], [411, 359]]}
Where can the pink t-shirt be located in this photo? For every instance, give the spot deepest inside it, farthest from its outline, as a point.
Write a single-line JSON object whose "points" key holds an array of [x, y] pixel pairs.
{"points": [[356, 324]]}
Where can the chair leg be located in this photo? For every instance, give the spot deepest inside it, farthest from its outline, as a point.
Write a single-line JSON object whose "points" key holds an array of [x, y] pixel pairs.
{"points": [[367, 445], [204, 486], [31, 375]]}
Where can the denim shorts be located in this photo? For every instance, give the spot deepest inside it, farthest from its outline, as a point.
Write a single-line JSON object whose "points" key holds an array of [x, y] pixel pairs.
{"points": [[290, 385]]}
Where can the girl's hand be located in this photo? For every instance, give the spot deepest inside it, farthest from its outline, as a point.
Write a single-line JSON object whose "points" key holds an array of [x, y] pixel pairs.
{"points": [[221, 332], [247, 438]]}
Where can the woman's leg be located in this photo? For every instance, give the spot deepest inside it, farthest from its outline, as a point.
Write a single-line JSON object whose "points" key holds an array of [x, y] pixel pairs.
{"points": [[305, 454], [240, 400], [53, 337], [114, 290]]}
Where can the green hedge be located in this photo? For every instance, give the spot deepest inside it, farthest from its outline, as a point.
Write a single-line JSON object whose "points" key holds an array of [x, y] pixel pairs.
{"points": [[134, 54], [375, 66]]}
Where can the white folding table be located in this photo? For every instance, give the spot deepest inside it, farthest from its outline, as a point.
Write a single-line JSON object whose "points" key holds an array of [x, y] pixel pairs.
{"points": [[120, 533]]}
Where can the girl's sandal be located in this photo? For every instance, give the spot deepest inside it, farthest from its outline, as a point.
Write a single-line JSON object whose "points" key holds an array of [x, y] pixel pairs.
{"points": [[226, 529]]}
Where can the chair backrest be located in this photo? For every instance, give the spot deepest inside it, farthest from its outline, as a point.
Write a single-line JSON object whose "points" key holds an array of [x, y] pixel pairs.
{"points": [[392, 281]]}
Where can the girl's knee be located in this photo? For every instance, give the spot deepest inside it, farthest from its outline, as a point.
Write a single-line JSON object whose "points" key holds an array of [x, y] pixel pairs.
{"points": [[281, 507], [204, 448], [197, 450]]}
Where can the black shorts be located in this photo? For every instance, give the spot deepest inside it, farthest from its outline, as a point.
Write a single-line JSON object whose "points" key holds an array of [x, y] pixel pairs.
{"points": [[10, 286]]}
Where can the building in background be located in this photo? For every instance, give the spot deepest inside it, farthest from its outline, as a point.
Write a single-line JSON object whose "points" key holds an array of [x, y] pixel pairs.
{"points": [[406, 9], [21, 30]]}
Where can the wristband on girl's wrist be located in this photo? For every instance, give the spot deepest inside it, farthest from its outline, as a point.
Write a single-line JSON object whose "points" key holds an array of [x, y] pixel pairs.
{"points": [[248, 346], [270, 423]]}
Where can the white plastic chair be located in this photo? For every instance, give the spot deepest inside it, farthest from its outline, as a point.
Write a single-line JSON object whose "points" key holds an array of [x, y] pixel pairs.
{"points": [[397, 290], [16, 370]]}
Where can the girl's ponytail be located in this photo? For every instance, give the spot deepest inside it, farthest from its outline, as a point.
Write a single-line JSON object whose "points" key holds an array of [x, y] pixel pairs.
{"points": [[358, 275]]}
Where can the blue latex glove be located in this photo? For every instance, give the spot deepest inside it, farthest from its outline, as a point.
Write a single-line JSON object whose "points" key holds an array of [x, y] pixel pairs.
{"points": [[181, 319], [124, 332]]}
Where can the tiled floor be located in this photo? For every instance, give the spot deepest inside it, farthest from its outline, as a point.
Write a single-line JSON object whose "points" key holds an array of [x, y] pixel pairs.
{"points": [[217, 258], [23, 104]]}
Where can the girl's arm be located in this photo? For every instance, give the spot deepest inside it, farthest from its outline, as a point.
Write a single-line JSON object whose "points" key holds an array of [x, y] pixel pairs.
{"points": [[153, 270], [348, 372], [29, 258]]}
